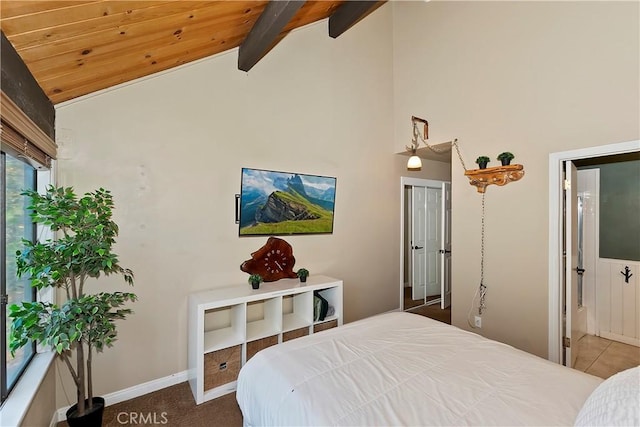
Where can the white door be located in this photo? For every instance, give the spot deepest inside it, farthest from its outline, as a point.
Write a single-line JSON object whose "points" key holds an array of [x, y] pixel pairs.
{"points": [[445, 258], [418, 242], [588, 185], [434, 241], [571, 262]]}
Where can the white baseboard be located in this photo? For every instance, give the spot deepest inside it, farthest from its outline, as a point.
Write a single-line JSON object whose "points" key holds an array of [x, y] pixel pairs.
{"points": [[54, 419], [129, 393]]}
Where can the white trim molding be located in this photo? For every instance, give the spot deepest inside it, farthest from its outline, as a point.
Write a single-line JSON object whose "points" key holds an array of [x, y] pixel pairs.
{"points": [[556, 272], [15, 407]]}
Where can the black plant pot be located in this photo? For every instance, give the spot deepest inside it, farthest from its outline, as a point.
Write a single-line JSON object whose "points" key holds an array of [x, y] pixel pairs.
{"points": [[255, 285], [482, 165], [89, 419], [303, 279], [505, 162]]}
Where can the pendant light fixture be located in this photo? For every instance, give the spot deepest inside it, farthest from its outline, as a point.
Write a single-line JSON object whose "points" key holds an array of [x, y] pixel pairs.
{"points": [[415, 162]]}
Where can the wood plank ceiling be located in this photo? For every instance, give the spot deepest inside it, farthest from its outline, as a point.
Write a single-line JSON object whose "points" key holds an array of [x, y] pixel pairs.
{"points": [[76, 47]]}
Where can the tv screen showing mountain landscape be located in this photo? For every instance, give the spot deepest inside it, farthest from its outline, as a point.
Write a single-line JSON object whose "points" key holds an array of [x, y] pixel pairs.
{"points": [[278, 203]]}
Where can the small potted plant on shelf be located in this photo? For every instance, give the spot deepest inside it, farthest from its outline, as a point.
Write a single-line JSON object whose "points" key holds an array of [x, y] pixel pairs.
{"points": [[505, 158], [482, 161], [255, 280], [84, 323], [302, 274]]}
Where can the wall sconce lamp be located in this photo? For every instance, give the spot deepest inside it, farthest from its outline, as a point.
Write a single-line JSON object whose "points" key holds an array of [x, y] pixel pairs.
{"points": [[415, 163]]}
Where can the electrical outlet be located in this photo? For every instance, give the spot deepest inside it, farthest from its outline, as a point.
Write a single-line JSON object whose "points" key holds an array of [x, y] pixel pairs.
{"points": [[478, 320]]}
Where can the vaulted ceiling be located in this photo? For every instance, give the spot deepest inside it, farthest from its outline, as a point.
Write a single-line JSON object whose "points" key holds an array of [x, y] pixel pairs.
{"points": [[76, 47]]}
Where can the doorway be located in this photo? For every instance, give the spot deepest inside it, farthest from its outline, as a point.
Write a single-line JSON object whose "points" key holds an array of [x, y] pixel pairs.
{"points": [[604, 318], [425, 244], [616, 301], [560, 273]]}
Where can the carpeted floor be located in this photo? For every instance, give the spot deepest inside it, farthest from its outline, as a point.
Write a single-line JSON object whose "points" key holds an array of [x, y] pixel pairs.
{"points": [[433, 311], [175, 407]]}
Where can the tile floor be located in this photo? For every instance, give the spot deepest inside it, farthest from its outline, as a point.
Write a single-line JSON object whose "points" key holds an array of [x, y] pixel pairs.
{"points": [[603, 358]]}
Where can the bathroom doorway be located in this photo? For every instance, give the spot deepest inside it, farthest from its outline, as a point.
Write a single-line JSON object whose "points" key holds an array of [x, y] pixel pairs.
{"points": [[560, 293]]}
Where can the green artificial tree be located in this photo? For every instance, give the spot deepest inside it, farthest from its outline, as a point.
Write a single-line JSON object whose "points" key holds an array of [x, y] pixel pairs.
{"points": [[84, 322]]}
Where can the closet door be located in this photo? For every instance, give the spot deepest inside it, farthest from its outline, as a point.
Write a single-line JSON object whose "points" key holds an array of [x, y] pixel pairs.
{"points": [[445, 258], [418, 242]]}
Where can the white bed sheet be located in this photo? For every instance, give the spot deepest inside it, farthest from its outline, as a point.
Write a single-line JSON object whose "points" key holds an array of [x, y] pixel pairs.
{"points": [[404, 369]]}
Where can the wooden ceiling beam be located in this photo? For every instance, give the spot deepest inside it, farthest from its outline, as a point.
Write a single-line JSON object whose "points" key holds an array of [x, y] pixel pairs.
{"points": [[74, 47], [347, 15], [264, 33]]}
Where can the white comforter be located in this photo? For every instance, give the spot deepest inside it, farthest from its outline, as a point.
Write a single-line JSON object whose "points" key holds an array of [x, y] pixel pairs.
{"points": [[405, 369]]}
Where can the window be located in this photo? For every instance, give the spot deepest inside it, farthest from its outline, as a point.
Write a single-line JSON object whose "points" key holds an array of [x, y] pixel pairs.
{"points": [[16, 225], [26, 154], [618, 204]]}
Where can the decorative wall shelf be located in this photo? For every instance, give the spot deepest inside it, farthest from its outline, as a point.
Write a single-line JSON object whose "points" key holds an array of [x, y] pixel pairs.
{"points": [[500, 175]]}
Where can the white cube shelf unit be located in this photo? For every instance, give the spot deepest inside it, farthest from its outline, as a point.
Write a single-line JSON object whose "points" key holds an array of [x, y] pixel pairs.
{"points": [[227, 326]]}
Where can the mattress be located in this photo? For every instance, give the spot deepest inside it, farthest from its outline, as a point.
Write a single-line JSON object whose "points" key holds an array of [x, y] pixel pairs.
{"points": [[404, 369]]}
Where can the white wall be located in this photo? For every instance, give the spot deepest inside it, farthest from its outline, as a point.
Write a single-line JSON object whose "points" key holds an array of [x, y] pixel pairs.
{"points": [[527, 77], [171, 149]]}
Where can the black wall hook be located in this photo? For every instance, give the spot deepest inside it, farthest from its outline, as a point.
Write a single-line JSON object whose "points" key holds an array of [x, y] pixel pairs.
{"points": [[626, 273]]}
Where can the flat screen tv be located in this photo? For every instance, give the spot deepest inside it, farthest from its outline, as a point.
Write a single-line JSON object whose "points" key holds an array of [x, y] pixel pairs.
{"points": [[285, 203]]}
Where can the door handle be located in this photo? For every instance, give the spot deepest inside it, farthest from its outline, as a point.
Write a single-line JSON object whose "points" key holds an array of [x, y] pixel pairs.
{"points": [[444, 251], [418, 247], [580, 270]]}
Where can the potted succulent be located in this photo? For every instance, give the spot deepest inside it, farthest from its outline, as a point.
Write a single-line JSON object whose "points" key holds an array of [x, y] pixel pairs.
{"points": [[84, 322], [505, 158], [482, 161], [302, 274], [255, 280]]}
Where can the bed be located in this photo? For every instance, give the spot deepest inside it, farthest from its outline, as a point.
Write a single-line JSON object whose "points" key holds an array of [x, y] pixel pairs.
{"points": [[404, 369]]}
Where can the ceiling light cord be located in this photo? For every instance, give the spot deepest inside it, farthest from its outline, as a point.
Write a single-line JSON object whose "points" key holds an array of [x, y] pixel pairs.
{"points": [[483, 289], [415, 143]]}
